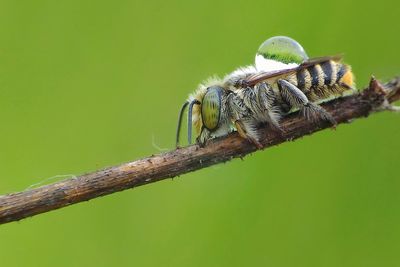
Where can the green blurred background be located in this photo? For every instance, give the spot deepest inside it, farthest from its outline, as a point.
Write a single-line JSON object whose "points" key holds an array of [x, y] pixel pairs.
{"points": [[90, 84]]}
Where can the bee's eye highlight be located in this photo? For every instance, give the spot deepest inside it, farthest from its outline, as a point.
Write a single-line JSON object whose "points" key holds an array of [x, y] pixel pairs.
{"points": [[211, 107], [282, 49]]}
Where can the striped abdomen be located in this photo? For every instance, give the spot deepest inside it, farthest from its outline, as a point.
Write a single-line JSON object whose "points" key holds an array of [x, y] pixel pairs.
{"points": [[323, 80]]}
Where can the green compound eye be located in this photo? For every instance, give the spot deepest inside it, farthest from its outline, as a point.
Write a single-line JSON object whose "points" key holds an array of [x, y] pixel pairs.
{"points": [[211, 107], [282, 49]]}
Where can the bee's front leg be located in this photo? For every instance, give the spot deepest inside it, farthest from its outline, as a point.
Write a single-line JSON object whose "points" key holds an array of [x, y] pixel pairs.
{"points": [[267, 99], [248, 133], [203, 137], [242, 120]]}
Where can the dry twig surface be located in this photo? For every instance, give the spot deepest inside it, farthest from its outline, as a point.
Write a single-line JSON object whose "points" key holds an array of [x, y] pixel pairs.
{"points": [[16, 206]]}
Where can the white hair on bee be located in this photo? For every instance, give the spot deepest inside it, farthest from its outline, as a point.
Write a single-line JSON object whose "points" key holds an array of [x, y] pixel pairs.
{"points": [[202, 88], [240, 73], [275, 113], [243, 71], [263, 64]]}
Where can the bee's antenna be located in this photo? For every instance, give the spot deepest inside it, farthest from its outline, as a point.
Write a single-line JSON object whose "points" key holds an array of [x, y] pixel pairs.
{"points": [[194, 102], [178, 129]]}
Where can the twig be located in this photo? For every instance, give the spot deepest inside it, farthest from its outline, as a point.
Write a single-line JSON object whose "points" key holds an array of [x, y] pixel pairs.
{"points": [[16, 206]]}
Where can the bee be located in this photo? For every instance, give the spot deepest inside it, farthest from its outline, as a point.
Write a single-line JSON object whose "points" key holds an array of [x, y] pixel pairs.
{"points": [[282, 80]]}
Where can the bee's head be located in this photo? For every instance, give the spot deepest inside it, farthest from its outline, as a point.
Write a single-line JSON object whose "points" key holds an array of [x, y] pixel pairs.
{"points": [[207, 114]]}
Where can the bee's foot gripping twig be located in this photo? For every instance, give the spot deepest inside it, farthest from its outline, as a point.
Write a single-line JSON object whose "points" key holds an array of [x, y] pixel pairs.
{"points": [[201, 142], [243, 133], [277, 129], [314, 112], [256, 143]]}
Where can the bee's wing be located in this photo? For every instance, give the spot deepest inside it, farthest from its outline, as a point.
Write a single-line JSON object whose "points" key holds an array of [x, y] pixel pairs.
{"points": [[262, 76], [317, 60]]}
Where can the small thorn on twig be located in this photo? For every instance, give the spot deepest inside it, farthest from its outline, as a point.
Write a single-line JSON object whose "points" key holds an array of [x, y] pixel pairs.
{"points": [[376, 86]]}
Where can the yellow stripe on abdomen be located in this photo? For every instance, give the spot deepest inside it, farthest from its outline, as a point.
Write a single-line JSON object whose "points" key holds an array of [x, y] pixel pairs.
{"points": [[348, 78]]}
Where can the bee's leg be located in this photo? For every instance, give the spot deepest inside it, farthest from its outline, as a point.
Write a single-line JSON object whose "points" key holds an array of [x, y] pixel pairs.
{"points": [[204, 135], [261, 101], [298, 99], [247, 131], [266, 98], [240, 129], [240, 116]]}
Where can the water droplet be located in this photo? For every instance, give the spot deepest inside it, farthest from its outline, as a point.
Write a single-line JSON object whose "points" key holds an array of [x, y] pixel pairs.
{"points": [[279, 52]]}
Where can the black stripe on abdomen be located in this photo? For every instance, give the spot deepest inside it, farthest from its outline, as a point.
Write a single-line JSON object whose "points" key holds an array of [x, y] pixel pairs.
{"points": [[342, 70], [301, 82], [327, 69], [314, 76]]}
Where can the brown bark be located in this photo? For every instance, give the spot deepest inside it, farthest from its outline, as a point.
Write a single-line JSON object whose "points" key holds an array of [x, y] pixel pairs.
{"points": [[16, 206]]}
